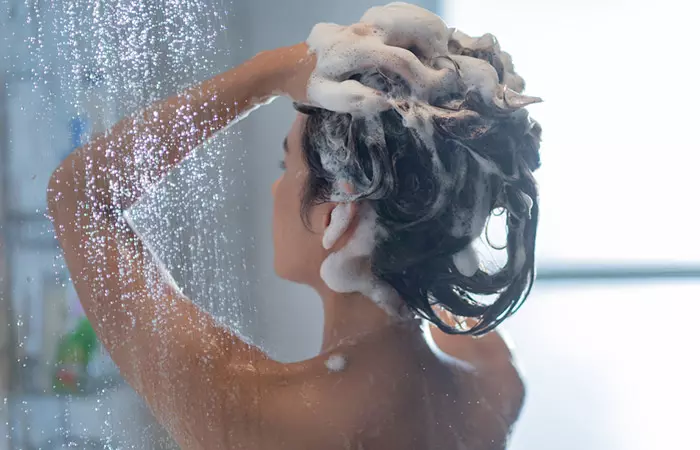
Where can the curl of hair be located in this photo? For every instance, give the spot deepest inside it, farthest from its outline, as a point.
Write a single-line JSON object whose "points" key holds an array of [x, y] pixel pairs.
{"points": [[396, 174]]}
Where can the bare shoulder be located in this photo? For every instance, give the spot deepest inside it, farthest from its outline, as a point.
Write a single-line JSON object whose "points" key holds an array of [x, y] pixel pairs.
{"points": [[489, 352], [495, 369]]}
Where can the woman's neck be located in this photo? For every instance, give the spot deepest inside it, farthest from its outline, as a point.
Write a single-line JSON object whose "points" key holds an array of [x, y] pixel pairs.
{"points": [[349, 317]]}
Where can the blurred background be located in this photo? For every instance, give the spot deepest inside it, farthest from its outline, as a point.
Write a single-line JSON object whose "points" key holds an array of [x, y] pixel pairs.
{"points": [[607, 338]]}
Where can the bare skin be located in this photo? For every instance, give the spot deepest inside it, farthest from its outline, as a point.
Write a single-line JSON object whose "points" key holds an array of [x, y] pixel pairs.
{"points": [[208, 387]]}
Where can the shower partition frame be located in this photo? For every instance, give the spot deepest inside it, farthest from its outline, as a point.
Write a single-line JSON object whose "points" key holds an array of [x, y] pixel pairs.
{"points": [[7, 334]]}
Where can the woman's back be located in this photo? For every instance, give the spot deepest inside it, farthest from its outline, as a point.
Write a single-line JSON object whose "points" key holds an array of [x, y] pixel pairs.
{"points": [[396, 392]]}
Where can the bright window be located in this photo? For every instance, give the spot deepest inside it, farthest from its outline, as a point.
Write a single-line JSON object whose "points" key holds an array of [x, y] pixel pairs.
{"points": [[620, 150]]}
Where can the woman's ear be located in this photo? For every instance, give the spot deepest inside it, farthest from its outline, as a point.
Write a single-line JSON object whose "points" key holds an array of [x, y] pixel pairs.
{"points": [[339, 224]]}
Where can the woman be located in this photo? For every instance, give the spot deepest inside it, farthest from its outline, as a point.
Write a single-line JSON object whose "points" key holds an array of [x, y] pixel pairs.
{"points": [[388, 181]]}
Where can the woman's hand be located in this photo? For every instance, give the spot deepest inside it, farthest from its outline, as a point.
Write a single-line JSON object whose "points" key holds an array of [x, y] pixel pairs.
{"points": [[297, 65]]}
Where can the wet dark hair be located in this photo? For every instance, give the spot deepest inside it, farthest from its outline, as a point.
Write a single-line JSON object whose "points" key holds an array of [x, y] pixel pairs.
{"points": [[395, 175]]}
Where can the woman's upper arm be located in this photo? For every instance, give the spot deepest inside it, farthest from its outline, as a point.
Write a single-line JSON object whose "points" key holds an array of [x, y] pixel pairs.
{"points": [[185, 365]]}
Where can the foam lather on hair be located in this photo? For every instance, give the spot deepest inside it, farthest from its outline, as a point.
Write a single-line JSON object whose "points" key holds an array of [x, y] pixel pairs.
{"points": [[415, 44]]}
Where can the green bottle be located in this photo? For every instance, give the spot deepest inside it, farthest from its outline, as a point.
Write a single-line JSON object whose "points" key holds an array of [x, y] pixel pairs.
{"points": [[75, 350]]}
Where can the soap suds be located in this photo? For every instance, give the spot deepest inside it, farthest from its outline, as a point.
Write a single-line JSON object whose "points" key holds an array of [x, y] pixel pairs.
{"points": [[348, 270], [414, 43], [336, 363], [466, 261], [434, 64]]}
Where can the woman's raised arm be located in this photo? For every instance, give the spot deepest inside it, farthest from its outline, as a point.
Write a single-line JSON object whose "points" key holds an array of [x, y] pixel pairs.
{"points": [[194, 374]]}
